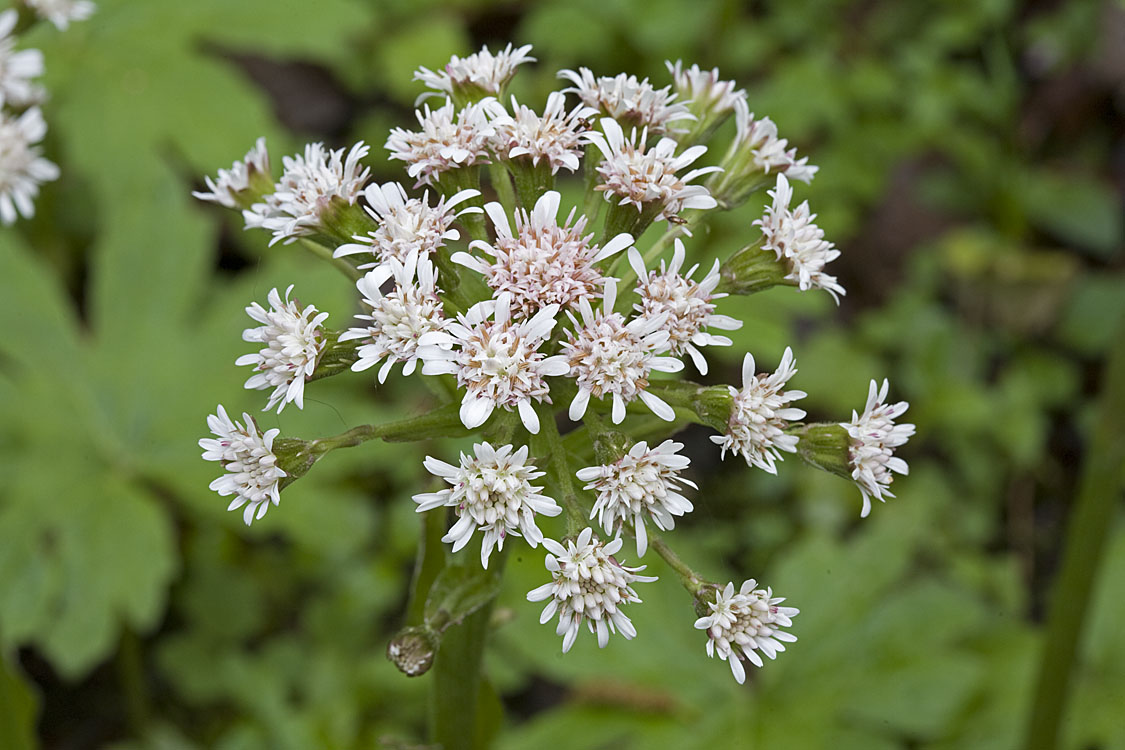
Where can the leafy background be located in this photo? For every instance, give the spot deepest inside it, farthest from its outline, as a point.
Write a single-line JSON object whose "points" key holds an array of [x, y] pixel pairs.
{"points": [[972, 171]]}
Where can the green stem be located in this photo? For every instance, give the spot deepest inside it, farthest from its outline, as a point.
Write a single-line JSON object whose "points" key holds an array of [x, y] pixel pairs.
{"points": [[502, 184], [549, 443], [1089, 527], [428, 562], [441, 422], [325, 253], [455, 689], [131, 673], [688, 577]]}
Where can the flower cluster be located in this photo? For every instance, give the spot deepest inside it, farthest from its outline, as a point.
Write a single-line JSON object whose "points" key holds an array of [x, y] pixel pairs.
{"points": [[547, 318], [22, 167]]}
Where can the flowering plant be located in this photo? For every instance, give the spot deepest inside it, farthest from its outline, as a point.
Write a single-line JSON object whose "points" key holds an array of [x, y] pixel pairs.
{"points": [[549, 337]]}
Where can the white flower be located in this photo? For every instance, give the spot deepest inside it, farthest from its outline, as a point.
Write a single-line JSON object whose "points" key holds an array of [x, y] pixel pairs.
{"points": [[496, 360], [17, 69], [407, 225], [479, 73], [689, 305], [555, 138], [399, 318], [490, 491], [768, 153], [745, 622], [293, 339], [449, 139], [62, 12], [588, 585], [874, 436], [647, 177], [759, 415], [798, 242], [229, 183], [308, 186], [252, 474], [644, 483], [542, 263], [704, 91], [628, 101], [612, 357], [22, 169]]}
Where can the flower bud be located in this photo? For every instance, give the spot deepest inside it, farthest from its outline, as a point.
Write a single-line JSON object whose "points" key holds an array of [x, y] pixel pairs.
{"points": [[295, 457], [751, 269]]}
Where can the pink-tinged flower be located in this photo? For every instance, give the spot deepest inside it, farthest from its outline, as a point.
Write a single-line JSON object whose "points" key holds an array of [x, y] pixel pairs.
{"points": [[542, 263], [228, 186], [448, 139], [252, 474], [631, 102], [479, 74], [555, 138], [22, 169], [745, 624]]}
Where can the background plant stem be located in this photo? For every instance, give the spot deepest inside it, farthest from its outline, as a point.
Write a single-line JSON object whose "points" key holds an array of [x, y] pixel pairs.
{"points": [[1090, 523]]}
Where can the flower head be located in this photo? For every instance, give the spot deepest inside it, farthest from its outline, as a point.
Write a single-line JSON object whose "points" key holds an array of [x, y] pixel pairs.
{"points": [[407, 225], [588, 585], [709, 98], [610, 356], [798, 242], [252, 474], [62, 12], [542, 263], [646, 177], [22, 169], [496, 360], [555, 138], [448, 139], [744, 623], [874, 437], [759, 415], [227, 188], [631, 102], [689, 306], [18, 69], [644, 483], [478, 75], [293, 339], [399, 318], [754, 154], [311, 183], [491, 491]]}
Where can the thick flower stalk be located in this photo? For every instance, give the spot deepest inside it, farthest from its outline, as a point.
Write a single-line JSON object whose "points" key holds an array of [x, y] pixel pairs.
{"points": [[548, 335]]}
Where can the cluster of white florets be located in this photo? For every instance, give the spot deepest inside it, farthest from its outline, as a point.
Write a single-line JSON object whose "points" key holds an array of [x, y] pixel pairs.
{"points": [[536, 315], [22, 167]]}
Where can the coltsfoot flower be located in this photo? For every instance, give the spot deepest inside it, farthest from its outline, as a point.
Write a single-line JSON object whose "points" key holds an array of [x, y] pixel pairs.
{"points": [[407, 225], [642, 484], [62, 12], [449, 139], [631, 102], [874, 437], [491, 491], [293, 339], [588, 585], [760, 413], [18, 68], [646, 178], [542, 263], [689, 306], [496, 360], [798, 242], [22, 169], [610, 356], [227, 188], [744, 623], [555, 138], [308, 187], [478, 75], [399, 318], [252, 474]]}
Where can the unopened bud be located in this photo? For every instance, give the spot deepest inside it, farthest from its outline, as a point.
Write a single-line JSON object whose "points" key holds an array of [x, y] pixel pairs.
{"points": [[751, 269], [826, 446]]}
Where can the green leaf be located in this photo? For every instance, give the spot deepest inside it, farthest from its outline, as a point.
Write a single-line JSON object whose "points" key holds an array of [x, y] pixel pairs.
{"points": [[18, 710]]}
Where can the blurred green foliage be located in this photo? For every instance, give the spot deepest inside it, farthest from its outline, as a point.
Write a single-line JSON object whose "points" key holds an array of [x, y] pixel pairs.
{"points": [[982, 235]]}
